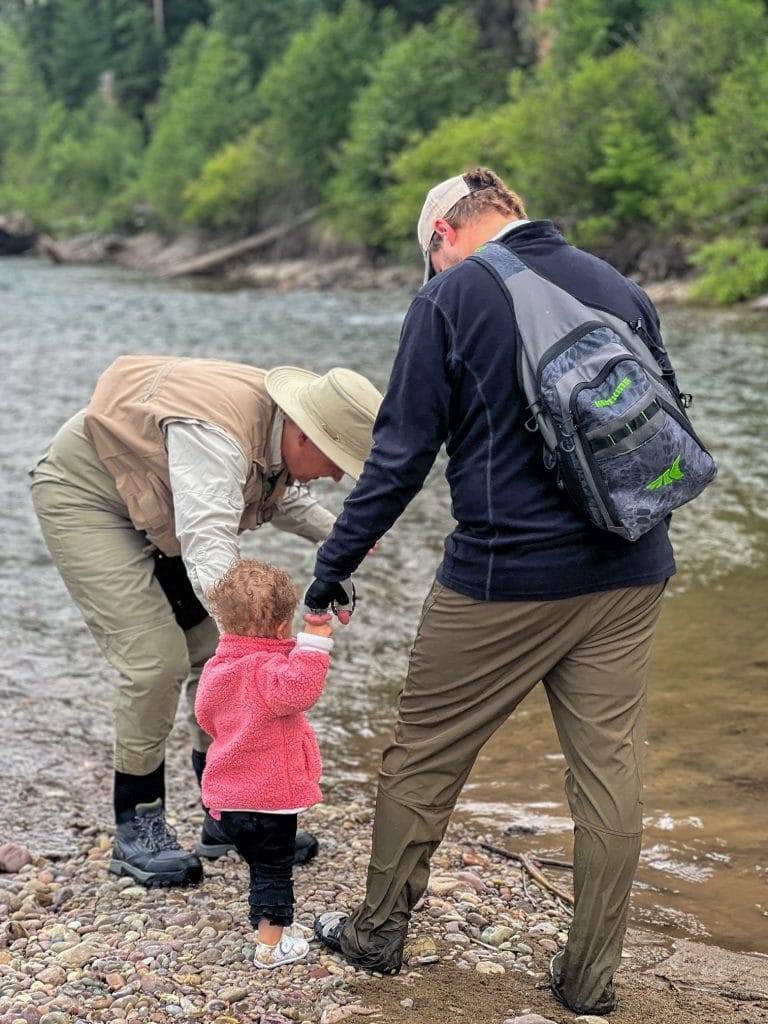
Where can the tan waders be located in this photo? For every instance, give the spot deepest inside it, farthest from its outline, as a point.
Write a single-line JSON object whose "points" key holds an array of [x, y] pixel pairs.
{"points": [[109, 572], [471, 665]]}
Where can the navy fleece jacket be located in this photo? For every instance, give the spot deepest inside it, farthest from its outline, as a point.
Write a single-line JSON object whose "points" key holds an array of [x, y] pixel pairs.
{"points": [[453, 382]]}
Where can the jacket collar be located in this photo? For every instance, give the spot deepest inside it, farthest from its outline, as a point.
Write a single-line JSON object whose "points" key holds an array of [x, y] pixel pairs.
{"points": [[233, 645]]}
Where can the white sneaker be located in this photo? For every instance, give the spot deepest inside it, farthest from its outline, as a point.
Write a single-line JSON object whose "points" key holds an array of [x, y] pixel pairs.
{"points": [[288, 950]]}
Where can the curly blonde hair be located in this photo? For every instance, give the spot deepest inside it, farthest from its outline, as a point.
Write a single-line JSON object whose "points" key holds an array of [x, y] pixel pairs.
{"points": [[252, 598]]}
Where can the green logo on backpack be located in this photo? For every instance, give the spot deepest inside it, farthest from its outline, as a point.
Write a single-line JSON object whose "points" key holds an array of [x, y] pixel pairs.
{"points": [[669, 476], [621, 387]]}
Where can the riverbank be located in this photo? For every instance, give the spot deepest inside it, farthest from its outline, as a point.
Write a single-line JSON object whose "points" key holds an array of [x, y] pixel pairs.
{"points": [[280, 266], [80, 945]]}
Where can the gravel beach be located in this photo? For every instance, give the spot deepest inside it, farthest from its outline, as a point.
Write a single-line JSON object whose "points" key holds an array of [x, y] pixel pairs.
{"points": [[77, 944]]}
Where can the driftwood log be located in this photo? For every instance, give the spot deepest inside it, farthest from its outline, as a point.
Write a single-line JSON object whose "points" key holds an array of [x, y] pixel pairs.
{"points": [[210, 261]]}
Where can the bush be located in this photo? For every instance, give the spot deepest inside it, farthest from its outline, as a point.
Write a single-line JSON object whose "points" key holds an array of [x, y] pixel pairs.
{"points": [[22, 100], [590, 150], [691, 45], [205, 103], [307, 93], [80, 160], [435, 70], [720, 178], [734, 269], [232, 186], [453, 147]]}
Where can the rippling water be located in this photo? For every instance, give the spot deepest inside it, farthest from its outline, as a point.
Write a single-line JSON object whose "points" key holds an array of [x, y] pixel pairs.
{"points": [[704, 869]]}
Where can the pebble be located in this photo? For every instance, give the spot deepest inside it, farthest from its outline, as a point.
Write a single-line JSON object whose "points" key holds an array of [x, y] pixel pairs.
{"points": [[421, 951], [531, 1018], [233, 995], [590, 1018], [86, 946], [14, 857], [77, 956], [489, 967], [497, 935]]}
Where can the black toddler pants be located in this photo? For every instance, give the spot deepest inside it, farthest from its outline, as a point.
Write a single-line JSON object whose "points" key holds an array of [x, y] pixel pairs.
{"points": [[266, 843]]}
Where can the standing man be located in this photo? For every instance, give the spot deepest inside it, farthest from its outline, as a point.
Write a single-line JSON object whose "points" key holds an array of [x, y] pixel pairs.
{"points": [[141, 498], [528, 590]]}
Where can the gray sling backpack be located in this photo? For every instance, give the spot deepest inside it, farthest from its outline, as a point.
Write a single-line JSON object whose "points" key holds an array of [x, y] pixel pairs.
{"points": [[613, 423]]}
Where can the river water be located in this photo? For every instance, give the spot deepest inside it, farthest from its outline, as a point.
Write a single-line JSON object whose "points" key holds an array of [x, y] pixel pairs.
{"points": [[704, 868]]}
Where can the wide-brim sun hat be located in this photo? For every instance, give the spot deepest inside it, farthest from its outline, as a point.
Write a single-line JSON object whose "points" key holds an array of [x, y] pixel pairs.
{"points": [[336, 411]]}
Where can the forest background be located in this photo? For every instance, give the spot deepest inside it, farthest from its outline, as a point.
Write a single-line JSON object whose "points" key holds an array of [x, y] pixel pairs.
{"points": [[639, 126]]}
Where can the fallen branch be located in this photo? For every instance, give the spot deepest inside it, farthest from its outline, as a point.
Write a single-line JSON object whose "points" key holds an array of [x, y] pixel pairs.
{"points": [[538, 876], [549, 862], [211, 260]]}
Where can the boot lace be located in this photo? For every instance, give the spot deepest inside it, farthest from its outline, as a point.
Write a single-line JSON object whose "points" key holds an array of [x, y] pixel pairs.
{"points": [[157, 833]]}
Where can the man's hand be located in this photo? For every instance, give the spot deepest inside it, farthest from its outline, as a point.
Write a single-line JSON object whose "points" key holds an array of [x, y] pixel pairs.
{"points": [[339, 597]]}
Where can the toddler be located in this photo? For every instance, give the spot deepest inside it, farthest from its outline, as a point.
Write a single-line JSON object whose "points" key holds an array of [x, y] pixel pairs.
{"points": [[264, 764]]}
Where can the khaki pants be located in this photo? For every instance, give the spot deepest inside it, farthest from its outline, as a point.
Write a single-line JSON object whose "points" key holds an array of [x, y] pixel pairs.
{"points": [[471, 665], [109, 573]]}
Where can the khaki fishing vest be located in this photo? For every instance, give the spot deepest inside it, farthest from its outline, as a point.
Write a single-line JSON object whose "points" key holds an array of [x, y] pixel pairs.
{"points": [[125, 419]]}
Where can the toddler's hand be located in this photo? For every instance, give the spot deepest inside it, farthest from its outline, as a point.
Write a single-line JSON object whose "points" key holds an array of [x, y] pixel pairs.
{"points": [[318, 625]]}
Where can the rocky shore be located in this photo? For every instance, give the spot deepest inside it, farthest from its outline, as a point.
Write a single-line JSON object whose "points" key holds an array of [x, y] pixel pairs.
{"points": [[77, 945]]}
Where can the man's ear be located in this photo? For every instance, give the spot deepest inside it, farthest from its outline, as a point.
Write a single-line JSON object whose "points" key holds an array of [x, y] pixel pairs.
{"points": [[446, 232]]}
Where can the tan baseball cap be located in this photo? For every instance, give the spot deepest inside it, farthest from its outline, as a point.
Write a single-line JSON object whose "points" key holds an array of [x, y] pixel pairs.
{"points": [[335, 411], [439, 201]]}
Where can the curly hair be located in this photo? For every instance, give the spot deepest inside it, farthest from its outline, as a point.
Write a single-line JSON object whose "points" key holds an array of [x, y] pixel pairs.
{"points": [[488, 193], [252, 598]]}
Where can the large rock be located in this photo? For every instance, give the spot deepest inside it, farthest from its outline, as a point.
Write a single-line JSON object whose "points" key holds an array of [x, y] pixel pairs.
{"points": [[13, 857], [761, 304], [734, 975], [79, 955], [17, 234]]}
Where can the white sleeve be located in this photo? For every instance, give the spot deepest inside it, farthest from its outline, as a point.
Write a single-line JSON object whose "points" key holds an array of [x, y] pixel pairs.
{"points": [[299, 512], [208, 470]]}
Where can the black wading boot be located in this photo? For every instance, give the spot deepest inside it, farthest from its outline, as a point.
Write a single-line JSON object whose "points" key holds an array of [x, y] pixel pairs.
{"points": [[214, 841], [147, 850]]}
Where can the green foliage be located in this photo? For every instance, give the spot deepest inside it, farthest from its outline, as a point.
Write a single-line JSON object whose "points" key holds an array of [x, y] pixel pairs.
{"points": [[453, 147], [232, 186], [648, 114], [22, 99], [721, 176], [576, 29], [137, 55], [259, 30], [691, 45], [205, 102], [77, 53], [79, 161], [733, 269], [435, 71], [589, 149], [307, 93]]}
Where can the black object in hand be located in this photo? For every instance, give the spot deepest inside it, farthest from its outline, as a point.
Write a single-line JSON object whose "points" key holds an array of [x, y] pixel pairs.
{"points": [[171, 574], [322, 595]]}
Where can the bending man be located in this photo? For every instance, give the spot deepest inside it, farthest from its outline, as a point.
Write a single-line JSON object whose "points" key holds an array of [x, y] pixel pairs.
{"points": [[141, 498]]}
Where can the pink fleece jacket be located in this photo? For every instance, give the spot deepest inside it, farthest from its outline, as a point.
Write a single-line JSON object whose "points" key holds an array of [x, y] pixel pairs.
{"points": [[250, 699]]}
